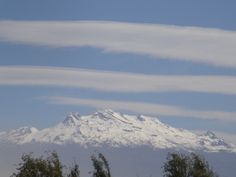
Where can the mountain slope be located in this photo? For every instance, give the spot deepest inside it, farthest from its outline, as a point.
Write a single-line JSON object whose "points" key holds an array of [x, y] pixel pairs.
{"points": [[117, 130]]}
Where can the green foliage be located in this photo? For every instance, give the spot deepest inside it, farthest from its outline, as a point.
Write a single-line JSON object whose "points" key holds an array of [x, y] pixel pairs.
{"points": [[39, 167], [74, 171], [200, 167], [101, 166], [177, 165], [180, 165]]}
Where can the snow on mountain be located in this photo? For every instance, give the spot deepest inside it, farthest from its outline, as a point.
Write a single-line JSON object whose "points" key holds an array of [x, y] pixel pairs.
{"points": [[115, 129], [18, 136]]}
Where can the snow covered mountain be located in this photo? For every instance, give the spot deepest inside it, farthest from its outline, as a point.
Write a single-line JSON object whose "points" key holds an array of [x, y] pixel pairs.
{"points": [[117, 130]]}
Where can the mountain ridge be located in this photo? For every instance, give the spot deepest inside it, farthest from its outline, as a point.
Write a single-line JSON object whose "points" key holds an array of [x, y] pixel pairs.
{"points": [[107, 127]]}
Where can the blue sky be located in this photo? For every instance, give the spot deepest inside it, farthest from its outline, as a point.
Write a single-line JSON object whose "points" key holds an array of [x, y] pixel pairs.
{"points": [[173, 60]]}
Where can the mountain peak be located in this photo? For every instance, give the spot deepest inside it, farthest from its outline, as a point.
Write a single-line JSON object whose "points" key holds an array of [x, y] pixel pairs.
{"points": [[109, 114], [71, 119], [116, 129], [106, 112], [211, 134]]}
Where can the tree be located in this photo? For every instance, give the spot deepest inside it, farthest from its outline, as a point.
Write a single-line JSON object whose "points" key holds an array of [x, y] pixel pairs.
{"points": [[39, 167], [176, 165], [101, 166], [180, 165], [200, 167], [54, 165], [74, 171]]}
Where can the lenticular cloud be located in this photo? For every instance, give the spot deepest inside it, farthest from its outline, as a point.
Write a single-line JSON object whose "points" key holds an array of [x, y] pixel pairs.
{"points": [[202, 45]]}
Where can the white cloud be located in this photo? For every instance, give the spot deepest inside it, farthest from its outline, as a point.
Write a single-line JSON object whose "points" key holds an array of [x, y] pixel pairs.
{"points": [[145, 108], [195, 44], [114, 81]]}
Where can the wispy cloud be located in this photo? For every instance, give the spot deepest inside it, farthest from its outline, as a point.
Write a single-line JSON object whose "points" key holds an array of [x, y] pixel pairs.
{"points": [[114, 81], [195, 44], [145, 108]]}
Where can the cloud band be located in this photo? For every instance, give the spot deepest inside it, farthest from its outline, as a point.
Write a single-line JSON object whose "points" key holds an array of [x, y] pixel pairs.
{"points": [[114, 81], [146, 108], [194, 44]]}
